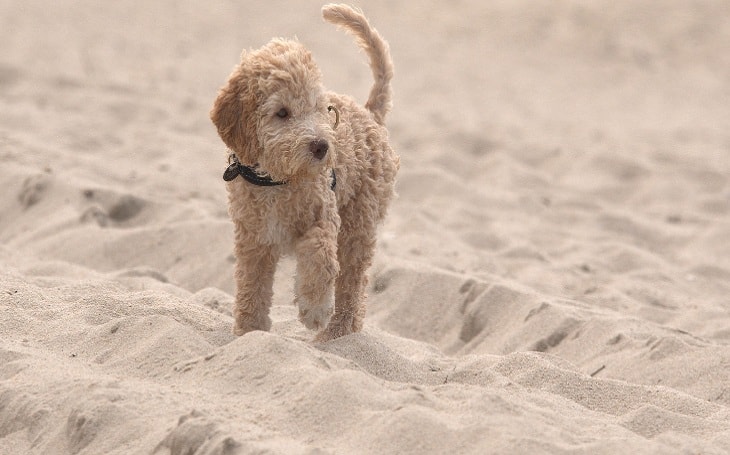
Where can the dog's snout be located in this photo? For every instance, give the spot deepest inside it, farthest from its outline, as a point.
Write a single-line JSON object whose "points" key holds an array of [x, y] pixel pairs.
{"points": [[319, 148]]}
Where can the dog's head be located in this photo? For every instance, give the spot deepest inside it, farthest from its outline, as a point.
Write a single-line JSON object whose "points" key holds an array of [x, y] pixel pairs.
{"points": [[273, 112]]}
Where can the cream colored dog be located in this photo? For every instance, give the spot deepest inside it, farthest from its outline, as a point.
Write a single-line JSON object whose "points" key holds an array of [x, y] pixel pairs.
{"points": [[311, 173]]}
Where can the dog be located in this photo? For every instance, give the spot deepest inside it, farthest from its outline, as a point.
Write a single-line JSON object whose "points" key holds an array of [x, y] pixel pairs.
{"points": [[311, 173]]}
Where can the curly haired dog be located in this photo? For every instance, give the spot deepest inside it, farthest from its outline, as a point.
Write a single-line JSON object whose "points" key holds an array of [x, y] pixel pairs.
{"points": [[317, 175]]}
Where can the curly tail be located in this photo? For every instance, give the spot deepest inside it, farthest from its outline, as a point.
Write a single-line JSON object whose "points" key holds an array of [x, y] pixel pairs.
{"points": [[352, 20]]}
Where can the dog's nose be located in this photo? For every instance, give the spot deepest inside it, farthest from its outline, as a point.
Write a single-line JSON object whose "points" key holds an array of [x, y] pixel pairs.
{"points": [[319, 148]]}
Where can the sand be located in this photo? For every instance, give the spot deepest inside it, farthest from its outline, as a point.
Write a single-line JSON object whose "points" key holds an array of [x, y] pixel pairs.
{"points": [[553, 278]]}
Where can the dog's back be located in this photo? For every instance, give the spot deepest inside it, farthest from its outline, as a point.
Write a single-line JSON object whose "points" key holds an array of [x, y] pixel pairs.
{"points": [[379, 101]]}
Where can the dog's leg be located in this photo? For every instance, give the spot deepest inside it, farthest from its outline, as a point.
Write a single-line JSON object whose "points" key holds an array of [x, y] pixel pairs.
{"points": [[255, 267], [355, 253], [317, 269]]}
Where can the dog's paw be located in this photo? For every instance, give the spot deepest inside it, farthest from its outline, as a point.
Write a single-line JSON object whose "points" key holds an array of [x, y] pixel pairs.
{"points": [[248, 323], [333, 331], [315, 317]]}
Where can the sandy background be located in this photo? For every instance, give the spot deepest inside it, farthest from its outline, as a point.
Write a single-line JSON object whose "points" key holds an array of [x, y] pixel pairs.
{"points": [[553, 278]]}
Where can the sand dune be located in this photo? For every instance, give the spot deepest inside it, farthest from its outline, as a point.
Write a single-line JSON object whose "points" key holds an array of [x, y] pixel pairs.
{"points": [[553, 278]]}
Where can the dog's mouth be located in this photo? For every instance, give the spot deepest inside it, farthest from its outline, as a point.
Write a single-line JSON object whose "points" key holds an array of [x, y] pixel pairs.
{"points": [[301, 156], [304, 165]]}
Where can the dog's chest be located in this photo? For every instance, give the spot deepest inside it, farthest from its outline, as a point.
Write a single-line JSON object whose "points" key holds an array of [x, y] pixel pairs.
{"points": [[277, 229], [276, 222], [280, 216]]}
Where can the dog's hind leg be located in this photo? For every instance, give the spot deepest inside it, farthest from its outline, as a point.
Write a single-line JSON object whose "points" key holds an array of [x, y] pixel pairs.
{"points": [[356, 248], [255, 267]]}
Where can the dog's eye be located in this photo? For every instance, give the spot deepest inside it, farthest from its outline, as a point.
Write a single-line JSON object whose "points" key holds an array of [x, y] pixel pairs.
{"points": [[283, 113]]}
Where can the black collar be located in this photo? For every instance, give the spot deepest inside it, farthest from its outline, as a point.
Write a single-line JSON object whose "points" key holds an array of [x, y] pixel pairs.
{"points": [[235, 169], [251, 176]]}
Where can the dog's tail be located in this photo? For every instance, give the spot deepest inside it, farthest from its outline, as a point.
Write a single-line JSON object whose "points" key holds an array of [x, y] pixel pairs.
{"points": [[353, 21]]}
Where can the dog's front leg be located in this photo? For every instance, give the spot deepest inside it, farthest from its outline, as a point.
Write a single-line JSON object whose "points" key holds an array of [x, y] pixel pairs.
{"points": [[255, 267], [317, 269]]}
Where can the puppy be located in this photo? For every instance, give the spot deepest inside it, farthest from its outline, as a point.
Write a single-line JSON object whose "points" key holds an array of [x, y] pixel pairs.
{"points": [[311, 173]]}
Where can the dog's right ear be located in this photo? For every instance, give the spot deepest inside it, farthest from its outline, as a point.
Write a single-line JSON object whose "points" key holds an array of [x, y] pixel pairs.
{"points": [[228, 112]]}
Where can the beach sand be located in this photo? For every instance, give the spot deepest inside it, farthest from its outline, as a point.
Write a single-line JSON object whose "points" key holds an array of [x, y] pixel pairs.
{"points": [[553, 277]]}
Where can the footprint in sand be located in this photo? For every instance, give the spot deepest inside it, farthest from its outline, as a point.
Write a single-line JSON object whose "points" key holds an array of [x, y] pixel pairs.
{"points": [[195, 433], [34, 188], [95, 214], [111, 207], [126, 208]]}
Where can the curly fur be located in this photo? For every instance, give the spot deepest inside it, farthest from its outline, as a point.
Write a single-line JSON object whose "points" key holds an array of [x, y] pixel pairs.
{"points": [[331, 233]]}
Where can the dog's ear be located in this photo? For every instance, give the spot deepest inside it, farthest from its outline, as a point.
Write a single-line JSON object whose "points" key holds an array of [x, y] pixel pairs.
{"points": [[228, 114]]}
